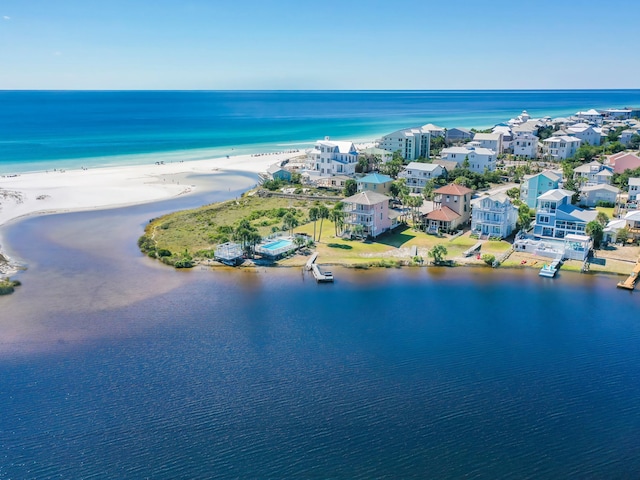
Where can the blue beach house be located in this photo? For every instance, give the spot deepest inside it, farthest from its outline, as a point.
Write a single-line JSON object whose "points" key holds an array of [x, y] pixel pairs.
{"points": [[533, 186], [556, 217]]}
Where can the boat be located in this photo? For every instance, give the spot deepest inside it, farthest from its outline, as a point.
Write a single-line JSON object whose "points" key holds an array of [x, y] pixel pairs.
{"points": [[549, 270]]}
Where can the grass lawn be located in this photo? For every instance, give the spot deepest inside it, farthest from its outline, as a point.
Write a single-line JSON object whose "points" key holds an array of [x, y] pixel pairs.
{"points": [[607, 210]]}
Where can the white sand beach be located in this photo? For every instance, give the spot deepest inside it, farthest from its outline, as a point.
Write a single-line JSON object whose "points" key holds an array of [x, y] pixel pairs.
{"points": [[58, 191]]}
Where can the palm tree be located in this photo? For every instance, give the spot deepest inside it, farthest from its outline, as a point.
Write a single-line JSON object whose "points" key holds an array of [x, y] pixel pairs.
{"points": [[357, 230], [438, 253], [289, 221], [323, 212], [313, 216], [299, 241], [337, 216]]}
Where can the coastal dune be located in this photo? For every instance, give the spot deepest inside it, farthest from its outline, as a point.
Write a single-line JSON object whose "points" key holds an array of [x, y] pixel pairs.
{"points": [[56, 191]]}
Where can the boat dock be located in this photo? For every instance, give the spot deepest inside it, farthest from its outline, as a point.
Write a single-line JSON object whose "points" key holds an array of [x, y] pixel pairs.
{"points": [[311, 261], [319, 275], [630, 283], [549, 270], [473, 250]]}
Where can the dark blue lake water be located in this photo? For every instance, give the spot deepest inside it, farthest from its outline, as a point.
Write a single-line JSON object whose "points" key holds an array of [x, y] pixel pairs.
{"points": [[113, 366]]}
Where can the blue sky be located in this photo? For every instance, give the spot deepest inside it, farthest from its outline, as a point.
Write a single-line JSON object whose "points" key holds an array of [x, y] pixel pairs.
{"points": [[330, 44]]}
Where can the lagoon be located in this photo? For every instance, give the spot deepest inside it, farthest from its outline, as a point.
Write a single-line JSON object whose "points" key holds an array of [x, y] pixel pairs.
{"points": [[114, 365]]}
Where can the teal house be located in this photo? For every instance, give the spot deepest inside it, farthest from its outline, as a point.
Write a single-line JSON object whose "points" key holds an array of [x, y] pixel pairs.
{"points": [[375, 182], [533, 186], [276, 172]]}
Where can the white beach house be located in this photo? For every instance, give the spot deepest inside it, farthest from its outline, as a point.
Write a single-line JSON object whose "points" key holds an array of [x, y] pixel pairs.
{"points": [[494, 216], [560, 148], [492, 141], [525, 145], [418, 174], [330, 157], [480, 159], [593, 173]]}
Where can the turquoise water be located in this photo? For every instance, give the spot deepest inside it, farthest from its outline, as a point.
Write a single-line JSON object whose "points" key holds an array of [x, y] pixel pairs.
{"points": [[277, 244], [42, 130]]}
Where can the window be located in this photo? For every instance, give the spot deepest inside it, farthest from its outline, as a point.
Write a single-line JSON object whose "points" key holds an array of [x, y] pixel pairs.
{"points": [[543, 219]]}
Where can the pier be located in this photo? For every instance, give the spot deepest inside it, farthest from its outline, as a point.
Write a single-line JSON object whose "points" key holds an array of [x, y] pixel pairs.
{"points": [[319, 275], [630, 283]]}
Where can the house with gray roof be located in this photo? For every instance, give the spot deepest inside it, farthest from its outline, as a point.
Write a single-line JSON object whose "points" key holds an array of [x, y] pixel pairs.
{"points": [[370, 210], [494, 216], [594, 195], [418, 174], [593, 173], [458, 135]]}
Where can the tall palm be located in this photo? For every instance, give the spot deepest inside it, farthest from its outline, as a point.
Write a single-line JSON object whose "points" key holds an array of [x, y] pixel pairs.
{"points": [[313, 216], [323, 212], [337, 216]]}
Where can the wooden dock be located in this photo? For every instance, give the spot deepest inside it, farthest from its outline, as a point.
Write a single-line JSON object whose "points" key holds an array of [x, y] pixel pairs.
{"points": [[311, 261], [630, 283], [320, 276], [473, 250]]}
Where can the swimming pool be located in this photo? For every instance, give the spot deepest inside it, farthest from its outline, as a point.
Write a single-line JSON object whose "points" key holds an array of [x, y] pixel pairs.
{"points": [[277, 245], [276, 248]]}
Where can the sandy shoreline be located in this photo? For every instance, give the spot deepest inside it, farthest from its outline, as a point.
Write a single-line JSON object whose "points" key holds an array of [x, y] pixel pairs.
{"points": [[58, 191]]}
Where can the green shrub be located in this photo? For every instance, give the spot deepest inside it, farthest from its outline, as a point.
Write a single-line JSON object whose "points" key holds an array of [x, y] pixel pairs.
{"points": [[488, 258]]}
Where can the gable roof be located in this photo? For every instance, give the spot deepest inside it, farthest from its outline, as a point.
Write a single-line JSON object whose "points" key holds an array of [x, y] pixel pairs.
{"points": [[367, 198], [275, 168], [453, 189], [446, 164], [563, 138], [488, 136], [609, 188], [343, 147], [467, 150]]}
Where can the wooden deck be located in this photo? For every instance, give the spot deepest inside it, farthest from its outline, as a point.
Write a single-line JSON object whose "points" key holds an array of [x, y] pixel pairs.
{"points": [[320, 276], [311, 261], [630, 283]]}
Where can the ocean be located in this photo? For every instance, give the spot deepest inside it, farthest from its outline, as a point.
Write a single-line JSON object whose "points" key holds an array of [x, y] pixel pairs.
{"points": [[42, 130], [115, 366]]}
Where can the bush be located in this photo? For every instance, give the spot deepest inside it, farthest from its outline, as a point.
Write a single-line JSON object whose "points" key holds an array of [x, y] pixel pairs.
{"points": [[605, 204], [488, 258]]}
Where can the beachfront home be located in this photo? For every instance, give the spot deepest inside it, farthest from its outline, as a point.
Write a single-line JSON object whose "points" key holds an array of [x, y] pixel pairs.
{"points": [[480, 159], [556, 217], [623, 161], [560, 148], [585, 132], [634, 189], [492, 141], [533, 186], [594, 195], [593, 173], [617, 113], [276, 172], [590, 116], [525, 145], [330, 157], [418, 174], [458, 135], [435, 130], [375, 182], [370, 210], [452, 207], [494, 216], [412, 143], [507, 136], [383, 155]]}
